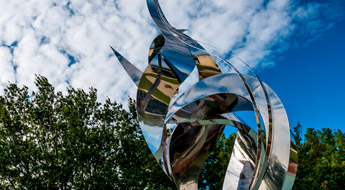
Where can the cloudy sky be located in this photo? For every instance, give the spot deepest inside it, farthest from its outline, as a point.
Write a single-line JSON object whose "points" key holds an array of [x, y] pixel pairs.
{"points": [[68, 41]]}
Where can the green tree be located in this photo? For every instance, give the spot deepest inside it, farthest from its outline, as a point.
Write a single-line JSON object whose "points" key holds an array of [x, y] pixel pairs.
{"points": [[321, 161], [297, 134], [49, 140]]}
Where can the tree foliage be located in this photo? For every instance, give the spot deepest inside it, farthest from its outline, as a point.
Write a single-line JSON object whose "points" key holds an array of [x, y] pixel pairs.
{"points": [[51, 140], [321, 160]]}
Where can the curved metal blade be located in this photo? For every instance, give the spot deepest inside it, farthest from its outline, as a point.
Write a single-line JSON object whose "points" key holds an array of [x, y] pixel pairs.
{"points": [[132, 71]]}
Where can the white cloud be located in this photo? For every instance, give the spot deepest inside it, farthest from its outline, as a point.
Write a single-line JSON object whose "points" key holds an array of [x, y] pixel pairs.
{"points": [[6, 67], [46, 36]]}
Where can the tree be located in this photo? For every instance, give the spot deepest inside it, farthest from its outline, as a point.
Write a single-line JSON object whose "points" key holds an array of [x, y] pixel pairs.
{"points": [[297, 134], [53, 141], [321, 160]]}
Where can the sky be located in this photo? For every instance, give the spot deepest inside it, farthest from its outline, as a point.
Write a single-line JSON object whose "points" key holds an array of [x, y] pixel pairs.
{"points": [[296, 46], [310, 81]]}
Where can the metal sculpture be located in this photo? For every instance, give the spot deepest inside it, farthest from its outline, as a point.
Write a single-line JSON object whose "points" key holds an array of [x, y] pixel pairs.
{"points": [[181, 128]]}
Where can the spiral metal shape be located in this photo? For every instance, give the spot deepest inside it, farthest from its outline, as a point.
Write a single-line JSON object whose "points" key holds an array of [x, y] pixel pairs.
{"points": [[182, 127]]}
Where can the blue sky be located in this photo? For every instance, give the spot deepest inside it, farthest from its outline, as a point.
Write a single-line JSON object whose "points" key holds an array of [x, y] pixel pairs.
{"points": [[296, 46], [310, 81]]}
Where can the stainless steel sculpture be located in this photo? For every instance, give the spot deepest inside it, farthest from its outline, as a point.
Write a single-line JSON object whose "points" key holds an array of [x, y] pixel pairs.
{"points": [[181, 128]]}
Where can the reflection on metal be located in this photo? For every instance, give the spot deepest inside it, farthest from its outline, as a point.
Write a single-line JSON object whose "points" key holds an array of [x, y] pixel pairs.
{"points": [[182, 128], [132, 71]]}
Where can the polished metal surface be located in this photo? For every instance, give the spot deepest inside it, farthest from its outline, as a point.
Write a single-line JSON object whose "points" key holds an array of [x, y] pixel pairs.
{"points": [[131, 70], [182, 125]]}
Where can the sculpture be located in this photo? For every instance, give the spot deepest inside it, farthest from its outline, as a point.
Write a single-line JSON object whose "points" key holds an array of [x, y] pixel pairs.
{"points": [[181, 128]]}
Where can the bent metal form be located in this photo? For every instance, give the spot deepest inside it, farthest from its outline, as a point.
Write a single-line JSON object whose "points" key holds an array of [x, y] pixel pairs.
{"points": [[182, 126]]}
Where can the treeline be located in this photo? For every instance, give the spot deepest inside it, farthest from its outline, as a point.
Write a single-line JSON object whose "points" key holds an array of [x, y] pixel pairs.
{"points": [[321, 160], [49, 140]]}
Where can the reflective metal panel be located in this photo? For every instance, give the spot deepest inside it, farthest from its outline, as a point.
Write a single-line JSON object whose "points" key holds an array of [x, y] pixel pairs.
{"points": [[132, 71], [190, 144], [181, 128]]}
